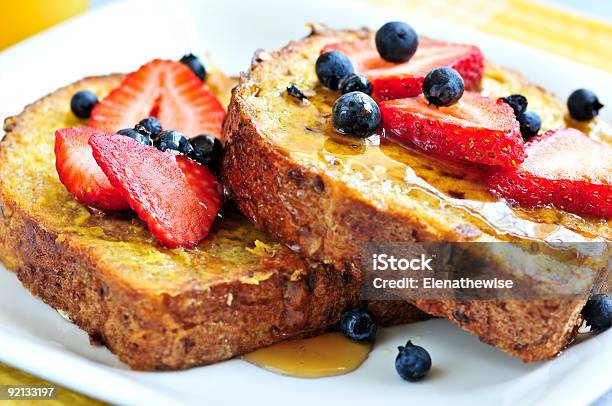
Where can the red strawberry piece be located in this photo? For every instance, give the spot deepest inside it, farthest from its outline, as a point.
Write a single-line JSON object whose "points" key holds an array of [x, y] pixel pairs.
{"points": [[168, 90], [176, 197], [132, 101], [476, 129], [79, 172], [565, 169], [394, 81], [186, 105]]}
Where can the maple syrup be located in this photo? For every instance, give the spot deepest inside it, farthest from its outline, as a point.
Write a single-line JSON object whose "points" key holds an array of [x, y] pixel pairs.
{"points": [[326, 355], [394, 176]]}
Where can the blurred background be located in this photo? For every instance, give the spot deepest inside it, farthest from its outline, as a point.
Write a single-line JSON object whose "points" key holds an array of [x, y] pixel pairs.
{"points": [[580, 30]]}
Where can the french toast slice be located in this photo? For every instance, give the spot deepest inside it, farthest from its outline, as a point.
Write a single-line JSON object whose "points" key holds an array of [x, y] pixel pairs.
{"points": [[156, 308], [326, 195]]}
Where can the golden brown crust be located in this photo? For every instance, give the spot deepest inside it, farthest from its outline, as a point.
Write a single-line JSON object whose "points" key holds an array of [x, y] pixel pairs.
{"points": [[301, 206], [529, 329], [170, 332], [161, 329]]}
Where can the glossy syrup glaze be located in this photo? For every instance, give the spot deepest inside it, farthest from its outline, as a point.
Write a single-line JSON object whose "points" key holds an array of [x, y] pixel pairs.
{"points": [[396, 177]]}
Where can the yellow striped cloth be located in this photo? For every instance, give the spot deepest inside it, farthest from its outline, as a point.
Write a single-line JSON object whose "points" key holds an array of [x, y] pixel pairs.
{"points": [[575, 37], [11, 376], [561, 32]]}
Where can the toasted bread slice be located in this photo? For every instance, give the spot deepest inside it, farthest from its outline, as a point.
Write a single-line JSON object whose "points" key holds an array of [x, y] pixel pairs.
{"points": [[326, 195], [155, 308]]}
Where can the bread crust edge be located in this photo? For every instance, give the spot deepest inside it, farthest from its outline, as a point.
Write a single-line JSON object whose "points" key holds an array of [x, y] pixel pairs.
{"points": [[303, 209], [150, 331]]}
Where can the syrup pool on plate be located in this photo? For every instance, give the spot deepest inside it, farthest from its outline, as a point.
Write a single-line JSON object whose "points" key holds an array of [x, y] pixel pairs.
{"points": [[329, 354]]}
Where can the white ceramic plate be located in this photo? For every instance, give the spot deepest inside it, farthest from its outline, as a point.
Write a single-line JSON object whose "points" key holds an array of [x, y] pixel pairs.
{"points": [[123, 35]]}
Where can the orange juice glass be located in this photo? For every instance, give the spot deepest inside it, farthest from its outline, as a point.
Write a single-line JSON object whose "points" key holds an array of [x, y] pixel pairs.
{"points": [[21, 18]]}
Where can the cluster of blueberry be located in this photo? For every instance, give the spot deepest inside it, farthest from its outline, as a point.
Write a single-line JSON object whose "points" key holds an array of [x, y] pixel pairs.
{"points": [[205, 148], [412, 362], [529, 121], [582, 104], [355, 112]]}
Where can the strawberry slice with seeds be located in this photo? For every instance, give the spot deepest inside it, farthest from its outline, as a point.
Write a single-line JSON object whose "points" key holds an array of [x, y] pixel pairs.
{"points": [[565, 169], [167, 90], [79, 172], [398, 80], [185, 105], [476, 129], [176, 197], [132, 101]]}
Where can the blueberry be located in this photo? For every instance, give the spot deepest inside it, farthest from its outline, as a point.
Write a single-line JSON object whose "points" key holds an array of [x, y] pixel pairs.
{"points": [[149, 126], [82, 103], [413, 362], [583, 105], [356, 114], [518, 102], [294, 91], [135, 135], [207, 150], [530, 124], [331, 67], [396, 41], [195, 65], [355, 83], [443, 87], [598, 312], [358, 325], [173, 140]]}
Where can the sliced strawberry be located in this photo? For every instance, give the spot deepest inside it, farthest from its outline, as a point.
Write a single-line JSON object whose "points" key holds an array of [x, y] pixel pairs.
{"points": [[79, 172], [186, 106], [398, 80], [176, 197], [132, 101], [167, 90], [476, 129], [564, 168]]}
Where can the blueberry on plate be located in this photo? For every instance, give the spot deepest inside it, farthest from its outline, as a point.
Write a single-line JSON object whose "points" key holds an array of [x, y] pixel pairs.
{"points": [[583, 105], [207, 150], [518, 102], [598, 312], [294, 91], [82, 103], [149, 126], [358, 325], [195, 65], [443, 87], [413, 362], [356, 114], [355, 83], [174, 141], [396, 41], [135, 135], [331, 67], [530, 124]]}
